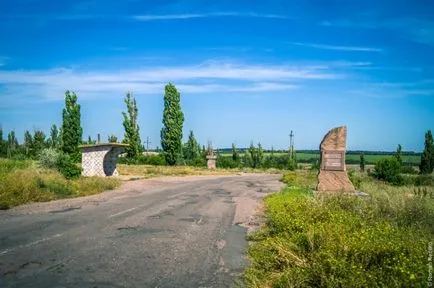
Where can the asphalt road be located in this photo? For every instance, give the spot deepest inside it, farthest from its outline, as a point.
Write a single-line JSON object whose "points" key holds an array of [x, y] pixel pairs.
{"points": [[158, 233]]}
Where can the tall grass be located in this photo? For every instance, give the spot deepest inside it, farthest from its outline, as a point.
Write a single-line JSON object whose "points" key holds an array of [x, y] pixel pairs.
{"points": [[22, 182], [343, 241]]}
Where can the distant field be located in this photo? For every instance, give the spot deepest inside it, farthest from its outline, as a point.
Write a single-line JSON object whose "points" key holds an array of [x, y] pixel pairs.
{"points": [[350, 158]]}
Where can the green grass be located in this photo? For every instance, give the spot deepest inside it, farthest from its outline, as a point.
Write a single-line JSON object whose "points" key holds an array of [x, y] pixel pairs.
{"points": [[22, 182], [342, 241]]}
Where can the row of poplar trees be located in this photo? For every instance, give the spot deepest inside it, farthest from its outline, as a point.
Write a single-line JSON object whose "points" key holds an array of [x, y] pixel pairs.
{"points": [[171, 133], [68, 138]]}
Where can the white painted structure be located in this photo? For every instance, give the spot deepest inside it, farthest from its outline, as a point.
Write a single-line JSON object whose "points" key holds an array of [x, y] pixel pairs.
{"points": [[100, 159]]}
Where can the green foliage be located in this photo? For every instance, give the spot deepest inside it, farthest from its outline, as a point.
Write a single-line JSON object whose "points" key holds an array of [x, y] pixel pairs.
{"points": [[424, 180], [11, 145], [226, 162], [53, 141], [357, 181], [144, 160], [290, 178], [256, 155], [235, 154], [132, 134], [427, 159], [50, 158], [68, 168], [362, 162], [28, 144], [192, 151], [39, 142], [112, 139], [339, 241], [71, 127], [2, 144], [408, 170], [388, 169], [173, 120], [398, 154]]}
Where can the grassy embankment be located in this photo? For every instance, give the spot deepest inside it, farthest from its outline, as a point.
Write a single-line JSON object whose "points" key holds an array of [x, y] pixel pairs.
{"points": [[343, 241], [23, 182]]}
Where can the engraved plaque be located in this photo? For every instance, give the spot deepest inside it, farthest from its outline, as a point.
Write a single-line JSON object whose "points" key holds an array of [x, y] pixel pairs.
{"points": [[333, 160]]}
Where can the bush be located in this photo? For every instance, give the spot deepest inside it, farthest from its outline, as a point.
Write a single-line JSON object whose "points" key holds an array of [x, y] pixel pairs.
{"points": [[49, 158], [357, 181], [144, 160], [424, 180], [408, 170], [388, 169], [289, 178], [68, 168], [226, 162]]}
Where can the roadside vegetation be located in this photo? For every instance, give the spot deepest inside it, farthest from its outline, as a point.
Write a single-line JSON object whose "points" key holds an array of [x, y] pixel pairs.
{"points": [[378, 240], [24, 182]]}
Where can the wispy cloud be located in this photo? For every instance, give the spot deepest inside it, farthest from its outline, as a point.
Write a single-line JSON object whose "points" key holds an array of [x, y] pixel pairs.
{"points": [[417, 29], [155, 17], [144, 17], [338, 48], [208, 77]]}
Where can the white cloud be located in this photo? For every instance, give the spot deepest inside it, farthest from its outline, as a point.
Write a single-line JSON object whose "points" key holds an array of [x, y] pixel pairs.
{"points": [[338, 48], [155, 17], [207, 77]]}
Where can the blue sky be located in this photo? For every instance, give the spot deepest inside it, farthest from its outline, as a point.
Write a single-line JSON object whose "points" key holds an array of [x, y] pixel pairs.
{"points": [[246, 70]]}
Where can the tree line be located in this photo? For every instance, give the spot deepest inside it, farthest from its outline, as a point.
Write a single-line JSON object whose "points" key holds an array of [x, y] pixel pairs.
{"points": [[67, 138]]}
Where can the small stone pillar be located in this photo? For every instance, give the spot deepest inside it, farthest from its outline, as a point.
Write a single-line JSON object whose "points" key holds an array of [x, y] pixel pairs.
{"points": [[211, 161], [333, 175], [211, 158], [100, 159]]}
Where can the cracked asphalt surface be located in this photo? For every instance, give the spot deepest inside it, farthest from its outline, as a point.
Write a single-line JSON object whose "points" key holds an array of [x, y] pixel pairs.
{"points": [[187, 232]]}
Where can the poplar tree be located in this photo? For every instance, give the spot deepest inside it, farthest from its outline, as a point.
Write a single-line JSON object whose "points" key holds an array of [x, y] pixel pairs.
{"points": [[71, 127], [132, 135], [362, 162], [427, 159], [398, 154], [54, 137], [173, 120], [192, 149]]}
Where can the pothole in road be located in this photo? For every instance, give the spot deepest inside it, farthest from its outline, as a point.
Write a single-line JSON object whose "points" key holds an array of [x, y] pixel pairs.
{"points": [[221, 192]]}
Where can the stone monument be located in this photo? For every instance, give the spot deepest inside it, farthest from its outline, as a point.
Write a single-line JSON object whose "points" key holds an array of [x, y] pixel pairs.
{"points": [[333, 175], [100, 159], [211, 158]]}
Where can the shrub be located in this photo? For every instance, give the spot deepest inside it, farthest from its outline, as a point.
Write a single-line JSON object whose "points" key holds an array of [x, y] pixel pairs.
{"points": [[68, 168], [289, 178], [143, 160], [49, 158], [424, 180], [226, 162], [388, 169], [408, 170], [357, 181]]}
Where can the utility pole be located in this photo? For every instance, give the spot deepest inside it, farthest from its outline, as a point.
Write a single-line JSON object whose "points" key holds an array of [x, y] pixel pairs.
{"points": [[147, 142]]}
